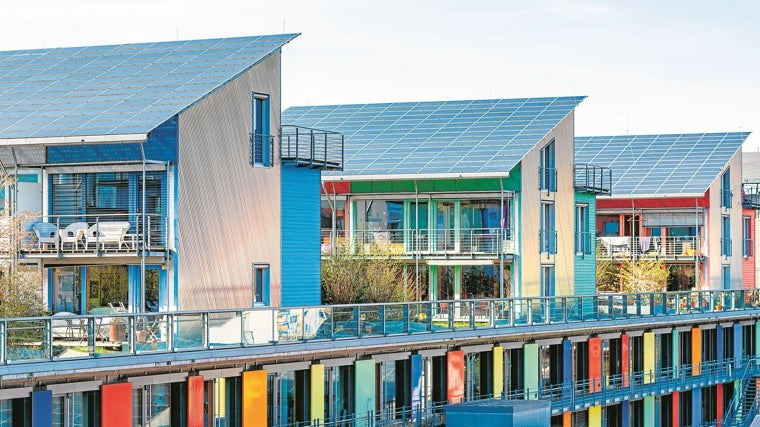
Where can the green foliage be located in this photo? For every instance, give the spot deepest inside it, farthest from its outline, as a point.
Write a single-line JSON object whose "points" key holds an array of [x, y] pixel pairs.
{"points": [[374, 276], [625, 275]]}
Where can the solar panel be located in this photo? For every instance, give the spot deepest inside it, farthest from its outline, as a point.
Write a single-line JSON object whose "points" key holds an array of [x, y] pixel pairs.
{"points": [[118, 89], [660, 164], [479, 136]]}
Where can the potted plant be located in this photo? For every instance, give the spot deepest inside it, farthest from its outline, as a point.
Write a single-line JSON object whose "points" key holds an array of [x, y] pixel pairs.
{"points": [[117, 331]]}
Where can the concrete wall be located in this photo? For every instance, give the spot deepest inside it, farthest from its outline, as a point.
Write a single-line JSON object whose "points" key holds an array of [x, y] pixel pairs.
{"points": [[228, 211]]}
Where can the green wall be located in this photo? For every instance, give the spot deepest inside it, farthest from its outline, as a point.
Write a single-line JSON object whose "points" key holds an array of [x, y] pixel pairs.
{"points": [[585, 265]]}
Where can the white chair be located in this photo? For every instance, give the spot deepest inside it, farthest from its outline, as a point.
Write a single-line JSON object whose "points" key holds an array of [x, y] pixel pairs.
{"points": [[72, 234], [46, 233]]}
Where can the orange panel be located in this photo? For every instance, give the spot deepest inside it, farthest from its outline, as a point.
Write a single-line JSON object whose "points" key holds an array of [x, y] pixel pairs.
{"points": [[116, 399], [675, 405], [255, 398], [195, 401], [567, 419], [595, 364], [696, 350], [455, 376], [624, 357]]}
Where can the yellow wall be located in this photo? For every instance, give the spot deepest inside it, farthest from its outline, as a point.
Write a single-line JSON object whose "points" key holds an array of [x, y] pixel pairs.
{"points": [[317, 393], [648, 357], [498, 371]]}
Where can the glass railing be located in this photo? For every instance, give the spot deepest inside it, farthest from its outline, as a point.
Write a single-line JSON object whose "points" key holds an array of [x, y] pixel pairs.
{"points": [[58, 337], [592, 179], [61, 235], [486, 241]]}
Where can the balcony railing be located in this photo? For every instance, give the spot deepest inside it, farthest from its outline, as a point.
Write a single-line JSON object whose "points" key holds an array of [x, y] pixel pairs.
{"points": [[748, 246], [751, 195], [592, 179], [671, 248], [481, 241], [314, 148], [58, 338], [547, 179], [547, 242], [585, 242], [94, 235]]}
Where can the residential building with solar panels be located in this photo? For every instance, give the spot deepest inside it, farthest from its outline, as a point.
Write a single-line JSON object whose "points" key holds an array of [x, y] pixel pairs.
{"points": [[173, 214], [678, 198]]}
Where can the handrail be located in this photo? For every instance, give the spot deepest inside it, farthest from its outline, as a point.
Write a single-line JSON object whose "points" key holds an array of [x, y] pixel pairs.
{"points": [[53, 338]]}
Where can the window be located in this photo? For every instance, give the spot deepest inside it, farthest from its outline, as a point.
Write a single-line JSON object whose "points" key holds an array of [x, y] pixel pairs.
{"points": [[260, 284], [260, 139], [725, 236], [547, 171], [547, 233], [726, 277], [746, 237], [582, 235], [725, 189], [547, 280]]}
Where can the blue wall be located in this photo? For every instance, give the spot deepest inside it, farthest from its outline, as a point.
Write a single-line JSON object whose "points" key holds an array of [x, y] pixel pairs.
{"points": [[585, 265], [301, 255], [161, 145]]}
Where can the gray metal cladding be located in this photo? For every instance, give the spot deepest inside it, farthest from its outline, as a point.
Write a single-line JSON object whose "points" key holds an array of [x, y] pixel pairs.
{"points": [[228, 211]]}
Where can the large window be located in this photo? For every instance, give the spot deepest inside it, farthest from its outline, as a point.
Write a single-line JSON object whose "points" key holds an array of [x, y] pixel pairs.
{"points": [[725, 236], [379, 221], [260, 139], [547, 280], [746, 237], [582, 234], [725, 189], [548, 171], [726, 277], [547, 232]]}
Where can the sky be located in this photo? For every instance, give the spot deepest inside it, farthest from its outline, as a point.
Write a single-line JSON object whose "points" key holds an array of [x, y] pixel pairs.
{"points": [[646, 66]]}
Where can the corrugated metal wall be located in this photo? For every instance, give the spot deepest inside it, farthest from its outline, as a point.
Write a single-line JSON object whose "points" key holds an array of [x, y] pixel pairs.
{"points": [[228, 211], [300, 236]]}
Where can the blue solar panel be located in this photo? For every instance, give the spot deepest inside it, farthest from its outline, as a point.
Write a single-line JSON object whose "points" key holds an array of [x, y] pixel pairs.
{"points": [[660, 164], [111, 90], [478, 136]]}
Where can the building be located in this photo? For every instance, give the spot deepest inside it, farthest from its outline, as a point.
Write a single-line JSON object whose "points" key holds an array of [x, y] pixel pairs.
{"points": [[479, 198], [156, 176], [675, 198], [751, 206]]}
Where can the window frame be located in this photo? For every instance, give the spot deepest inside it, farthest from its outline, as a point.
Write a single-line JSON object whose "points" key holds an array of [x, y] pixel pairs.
{"points": [[547, 228], [725, 235], [725, 189], [746, 236], [548, 167], [582, 233], [260, 137], [548, 280], [260, 284]]}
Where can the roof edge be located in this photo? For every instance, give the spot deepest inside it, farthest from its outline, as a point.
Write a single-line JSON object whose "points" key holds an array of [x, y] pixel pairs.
{"points": [[413, 176], [127, 138]]}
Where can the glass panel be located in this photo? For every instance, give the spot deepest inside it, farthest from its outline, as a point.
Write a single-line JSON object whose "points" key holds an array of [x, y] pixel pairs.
{"points": [[159, 405], [108, 286]]}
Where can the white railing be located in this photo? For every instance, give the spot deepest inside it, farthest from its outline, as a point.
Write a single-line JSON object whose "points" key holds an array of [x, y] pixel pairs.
{"points": [[666, 248]]}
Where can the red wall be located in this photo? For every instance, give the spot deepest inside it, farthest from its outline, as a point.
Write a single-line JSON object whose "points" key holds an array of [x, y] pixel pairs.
{"points": [[195, 401], [748, 264], [455, 376], [624, 357], [661, 202], [595, 364]]}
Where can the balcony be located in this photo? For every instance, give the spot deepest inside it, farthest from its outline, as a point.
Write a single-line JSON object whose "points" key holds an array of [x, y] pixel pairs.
{"points": [[671, 248], [547, 179], [313, 148], [548, 242], [468, 241], [81, 236], [592, 179], [751, 195]]}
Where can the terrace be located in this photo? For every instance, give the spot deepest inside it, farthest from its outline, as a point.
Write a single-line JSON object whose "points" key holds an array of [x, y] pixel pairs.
{"points": [[670, 248]]}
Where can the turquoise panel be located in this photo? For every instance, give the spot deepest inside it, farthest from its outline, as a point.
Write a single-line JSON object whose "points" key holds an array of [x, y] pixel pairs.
{"points": [[300, 237], [585, 265], [364, 387]]}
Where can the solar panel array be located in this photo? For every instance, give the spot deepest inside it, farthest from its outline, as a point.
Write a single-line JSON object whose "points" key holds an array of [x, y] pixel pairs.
{"points": [[119, 89], [660, 164], [478, 136]]}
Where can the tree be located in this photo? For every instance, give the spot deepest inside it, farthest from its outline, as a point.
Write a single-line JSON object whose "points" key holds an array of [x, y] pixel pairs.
{"points": [[20, 285], [626, 275], [371, 277]]}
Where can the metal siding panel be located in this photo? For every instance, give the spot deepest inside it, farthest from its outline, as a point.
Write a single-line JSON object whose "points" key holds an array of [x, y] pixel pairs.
{"points": [[648, 357], [195, 400], [498, 371], [738, 341], [228, 211], [696, 350], [454, 376], [116, 399], [696, 402], [595, 364], [416, 383], [42, 408], [364, 388], [585, 266], [595, 416], [530, 370], [317, 393], [300, 237], [254, 412], [624, 358]]}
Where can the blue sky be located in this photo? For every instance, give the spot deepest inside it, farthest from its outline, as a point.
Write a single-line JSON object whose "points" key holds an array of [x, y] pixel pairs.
{"points": [[646, 66]]}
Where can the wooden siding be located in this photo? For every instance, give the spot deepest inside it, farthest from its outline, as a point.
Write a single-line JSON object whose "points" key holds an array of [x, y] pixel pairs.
{"points": [[585, 265], [300, 237], [228, 211]]}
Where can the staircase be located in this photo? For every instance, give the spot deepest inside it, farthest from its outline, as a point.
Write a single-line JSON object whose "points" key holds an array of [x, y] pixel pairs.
{"points": [[742, 409]]}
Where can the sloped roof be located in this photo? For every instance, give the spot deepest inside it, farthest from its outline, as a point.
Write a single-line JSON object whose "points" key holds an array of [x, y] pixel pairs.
{"points": [[444, 137], [118, 89], [651, 165]]}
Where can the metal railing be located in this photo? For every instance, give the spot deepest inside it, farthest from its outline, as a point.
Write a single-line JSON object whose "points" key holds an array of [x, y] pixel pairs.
{"points": [[487, 241], [592, 179], [547, 179], [585, 242], [315, 148], [751, 195], [261, 150], [547, 241], [52, 338], [748, 246], [669, 248], [77, 235]]}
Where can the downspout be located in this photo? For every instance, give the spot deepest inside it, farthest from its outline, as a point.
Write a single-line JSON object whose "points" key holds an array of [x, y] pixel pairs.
{"points": [[501, 236], [416, 241]]}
